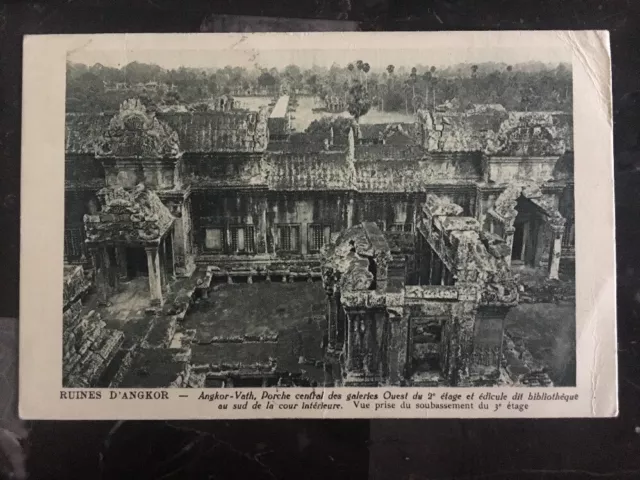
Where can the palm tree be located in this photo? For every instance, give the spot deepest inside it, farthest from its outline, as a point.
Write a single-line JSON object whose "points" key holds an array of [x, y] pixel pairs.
{"points": [[359, 66], [413, 78], [350, 68], [365, 68], [434, 80]]}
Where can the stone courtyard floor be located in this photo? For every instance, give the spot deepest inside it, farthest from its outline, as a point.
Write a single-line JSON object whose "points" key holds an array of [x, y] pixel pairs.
{"points": [[260, 309], [242, 325]]}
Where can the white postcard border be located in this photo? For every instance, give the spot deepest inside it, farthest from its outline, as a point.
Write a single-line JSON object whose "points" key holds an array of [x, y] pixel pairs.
{"points": [[43, 134]]}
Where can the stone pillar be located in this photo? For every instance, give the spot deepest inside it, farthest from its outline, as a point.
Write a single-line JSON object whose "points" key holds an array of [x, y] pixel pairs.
{"points": [[179, 245], [172, 258], [162, 254], [101, 279], [460, 357], [508, 238], [397, 356], [121, 259], [436, 271], [111, 273], [352, 341], [350, 212], [556, 251], [332, 322], [155, 280], [263, 227]]}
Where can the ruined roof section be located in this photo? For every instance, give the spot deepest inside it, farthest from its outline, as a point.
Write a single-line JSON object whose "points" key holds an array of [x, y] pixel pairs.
{"points": [[130, 217], [220, 131], [303, 143], [496, 132], [357, 260], [83, 132], [474, 256], [197, 132]]}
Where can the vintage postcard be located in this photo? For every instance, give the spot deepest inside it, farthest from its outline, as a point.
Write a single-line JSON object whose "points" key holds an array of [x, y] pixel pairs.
{"points": [[317, 225]]}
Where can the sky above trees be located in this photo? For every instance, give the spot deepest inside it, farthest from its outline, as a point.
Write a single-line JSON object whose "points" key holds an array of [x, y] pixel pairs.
{"points": [[308, 58]]}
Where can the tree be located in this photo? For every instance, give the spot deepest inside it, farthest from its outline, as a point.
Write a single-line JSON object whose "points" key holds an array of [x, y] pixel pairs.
{"points": [[267, 80], [390, 69], [413, 78], [358, 102], [365, 68], [340, 125], [171, 98]]}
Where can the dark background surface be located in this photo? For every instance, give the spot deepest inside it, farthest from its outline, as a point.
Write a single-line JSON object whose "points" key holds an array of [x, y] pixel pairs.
{"points": [[433, 449]]}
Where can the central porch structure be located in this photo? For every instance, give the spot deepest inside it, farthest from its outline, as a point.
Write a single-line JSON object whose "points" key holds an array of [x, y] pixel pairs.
{"points": [[132, 236]]}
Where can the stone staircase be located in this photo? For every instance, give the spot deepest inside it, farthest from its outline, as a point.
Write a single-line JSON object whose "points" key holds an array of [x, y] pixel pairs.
{"points": [[88, 346]]}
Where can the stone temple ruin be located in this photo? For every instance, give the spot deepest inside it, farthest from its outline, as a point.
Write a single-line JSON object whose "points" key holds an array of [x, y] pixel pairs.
{"points": [[201, 250], [446, 327]]}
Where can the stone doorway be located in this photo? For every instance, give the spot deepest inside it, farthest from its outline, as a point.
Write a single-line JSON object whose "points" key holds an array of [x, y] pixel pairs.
{"points": [[137, 265], [426, 344], [525, 236]]}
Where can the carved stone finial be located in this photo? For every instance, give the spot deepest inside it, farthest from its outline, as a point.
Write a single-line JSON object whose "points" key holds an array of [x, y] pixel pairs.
{"points": [[136, 132], [526, 134]]}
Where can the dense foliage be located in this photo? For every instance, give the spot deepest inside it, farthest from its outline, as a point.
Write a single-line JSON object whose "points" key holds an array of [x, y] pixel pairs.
{"points": [[340, 125], [524, 87]]}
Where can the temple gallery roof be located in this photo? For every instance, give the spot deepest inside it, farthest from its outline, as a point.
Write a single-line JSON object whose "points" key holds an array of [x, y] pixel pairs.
{"points": [[492, 132], [498, 132], [357, 260], [197, 132], [130, 217]]}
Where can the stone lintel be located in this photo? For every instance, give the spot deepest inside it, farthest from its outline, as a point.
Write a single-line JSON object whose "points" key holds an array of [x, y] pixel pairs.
{"points": [[132, 161]]}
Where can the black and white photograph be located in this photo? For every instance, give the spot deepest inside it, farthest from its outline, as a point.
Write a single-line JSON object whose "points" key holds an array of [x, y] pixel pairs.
{"points": [[390, 221], [335, 218]]}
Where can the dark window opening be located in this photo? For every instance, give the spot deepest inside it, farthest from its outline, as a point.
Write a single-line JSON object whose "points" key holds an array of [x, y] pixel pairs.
{"points": [[518, 242], [373, 268], [288, 238], [137, 262], [73, 240], [319, 235]]}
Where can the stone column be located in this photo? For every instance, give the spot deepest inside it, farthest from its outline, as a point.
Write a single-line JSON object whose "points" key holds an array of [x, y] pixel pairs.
{"points": [[179, 245], [263, 227], [332, 322], [102, 282], [155, 280], [397, 356], [556, 251], [463, 318], [121, 259], [508, 238], [172, 258], [352, 341], [350, 212]]}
